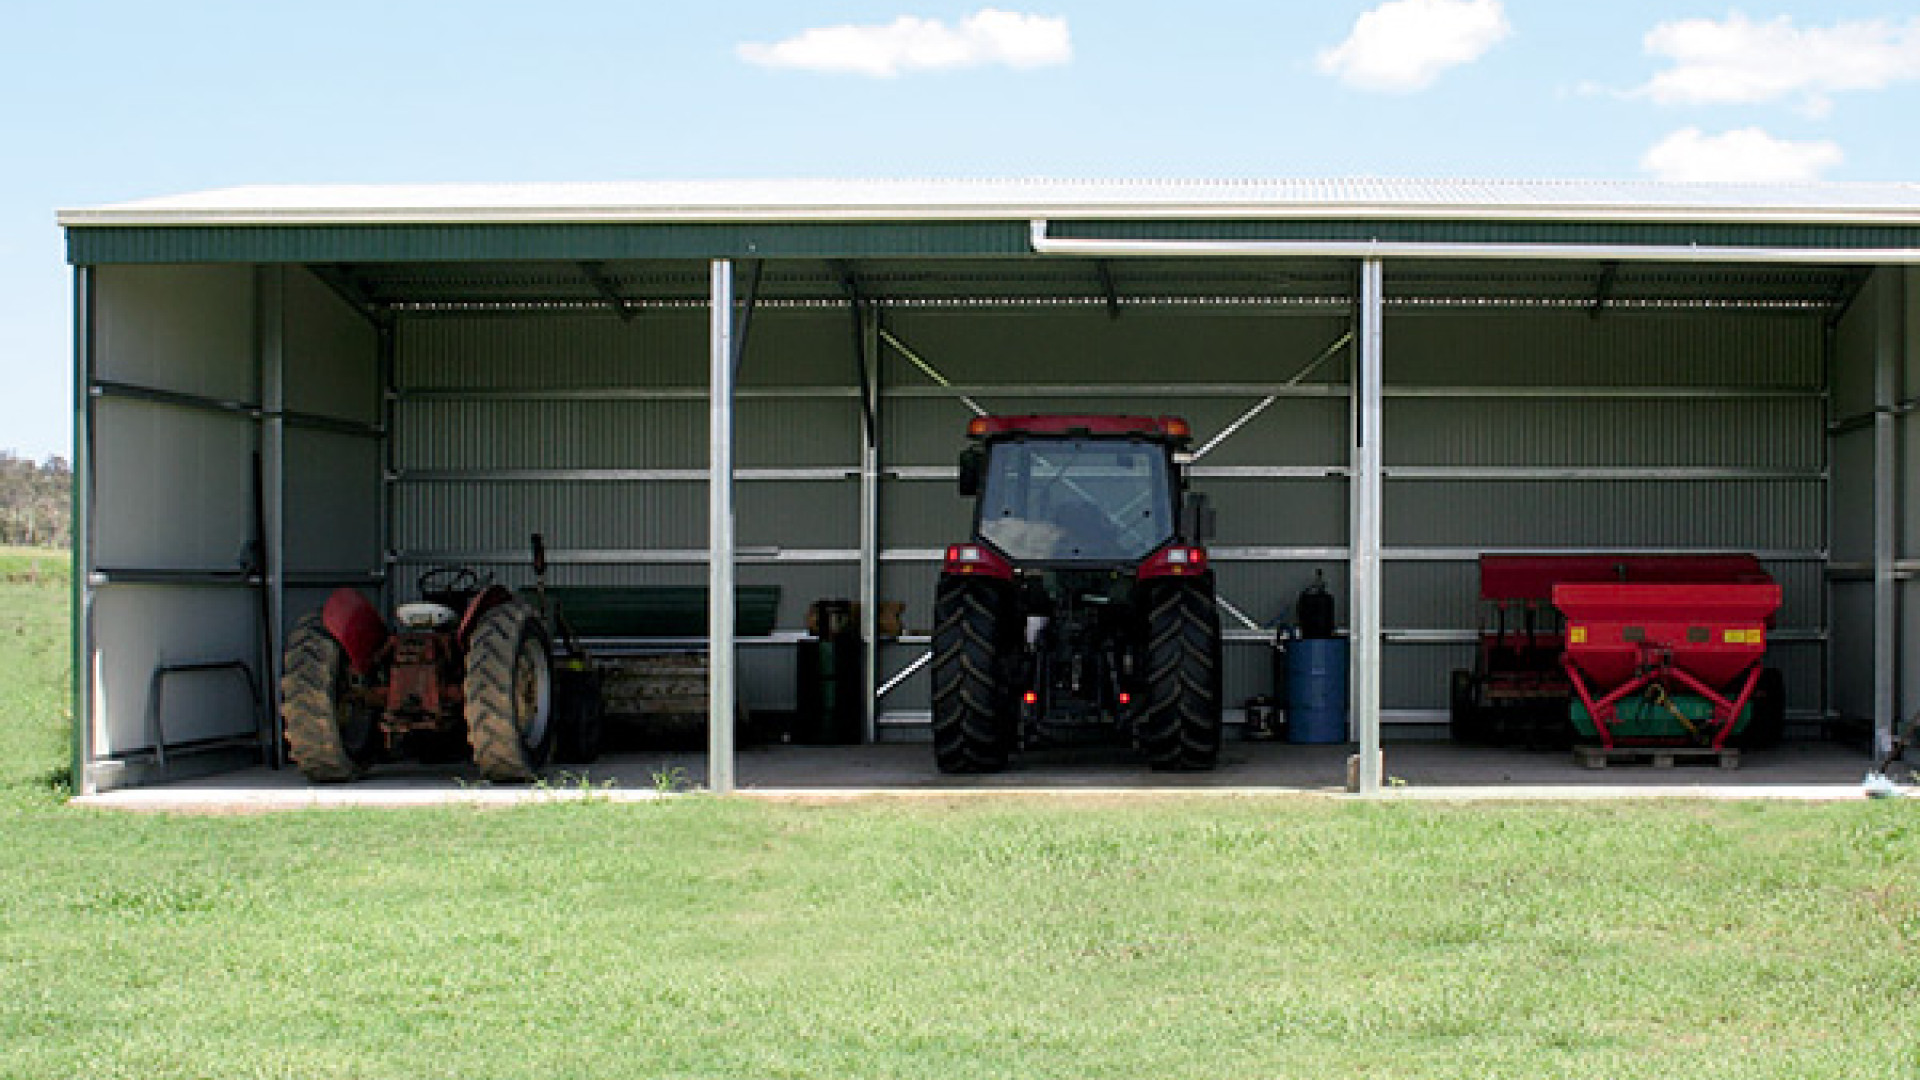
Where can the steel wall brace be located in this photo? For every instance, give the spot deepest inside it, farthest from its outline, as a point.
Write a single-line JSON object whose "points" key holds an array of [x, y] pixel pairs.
{"points": [[1227, 432], [929, 370]]}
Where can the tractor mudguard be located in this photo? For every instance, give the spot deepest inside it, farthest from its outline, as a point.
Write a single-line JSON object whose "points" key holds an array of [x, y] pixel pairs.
{"points": [[490, 597], [357, 626]]}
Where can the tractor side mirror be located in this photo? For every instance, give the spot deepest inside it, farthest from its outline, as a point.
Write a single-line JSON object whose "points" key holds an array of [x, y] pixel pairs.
{"points": [[539, 555], [972, 461], [1197, 518]]}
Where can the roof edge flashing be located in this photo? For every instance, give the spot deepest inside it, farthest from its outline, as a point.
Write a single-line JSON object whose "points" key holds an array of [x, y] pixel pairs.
{"points": [[1104, 248]]}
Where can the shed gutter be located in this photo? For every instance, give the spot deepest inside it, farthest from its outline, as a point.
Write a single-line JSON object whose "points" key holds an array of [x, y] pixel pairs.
{"points": [[1101, 248]]}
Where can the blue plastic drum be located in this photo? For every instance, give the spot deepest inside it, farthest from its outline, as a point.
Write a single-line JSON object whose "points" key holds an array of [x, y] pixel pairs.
{"points": [[1317, 690]]}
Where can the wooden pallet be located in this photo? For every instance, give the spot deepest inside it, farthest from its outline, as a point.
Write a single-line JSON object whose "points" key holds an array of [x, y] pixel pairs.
{"points": [[1660, 757]]}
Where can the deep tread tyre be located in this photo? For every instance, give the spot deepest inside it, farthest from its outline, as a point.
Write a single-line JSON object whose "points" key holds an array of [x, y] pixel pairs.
{"points": [[1179, 727], [581, 715], [509, 691], [973, 646], [329, 737]]}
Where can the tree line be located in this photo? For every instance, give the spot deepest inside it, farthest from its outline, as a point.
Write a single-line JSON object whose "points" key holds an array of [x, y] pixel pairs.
{"points": [[36, 501]]}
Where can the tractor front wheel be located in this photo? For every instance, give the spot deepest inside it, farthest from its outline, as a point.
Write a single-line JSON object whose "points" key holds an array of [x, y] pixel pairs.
{"points": [[1179, 728], [330, 737], [509, 691], [972, 694]]}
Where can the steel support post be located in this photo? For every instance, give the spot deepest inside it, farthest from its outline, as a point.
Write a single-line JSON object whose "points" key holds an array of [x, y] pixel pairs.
{"points": [[1365, 495], [389, 367], [1886, 395], [270, 296], [720, 590], [82, 526], [870, 528]]}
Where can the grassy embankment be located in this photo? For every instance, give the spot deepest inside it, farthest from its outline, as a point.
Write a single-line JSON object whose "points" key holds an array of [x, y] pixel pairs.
{"points": [[700, 937]]}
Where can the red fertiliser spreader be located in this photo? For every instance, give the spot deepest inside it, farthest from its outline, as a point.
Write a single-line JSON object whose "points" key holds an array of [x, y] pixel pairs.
{"points": [[1667, 650]]}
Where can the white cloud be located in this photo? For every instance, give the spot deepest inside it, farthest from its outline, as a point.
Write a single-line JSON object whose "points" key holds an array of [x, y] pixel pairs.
{"points": [[1748, 154], [1405, 45], [988, 36], [1742, 61]]}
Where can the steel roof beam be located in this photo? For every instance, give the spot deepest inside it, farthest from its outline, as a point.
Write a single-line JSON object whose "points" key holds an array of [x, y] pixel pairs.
{"points": [[1603, 289], [1105, 269], [348, 287], [857, 305], [596, 275]]}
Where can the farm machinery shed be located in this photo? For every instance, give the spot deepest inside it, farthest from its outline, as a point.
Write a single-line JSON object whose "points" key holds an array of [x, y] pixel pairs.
{"points": [[283, 390]]}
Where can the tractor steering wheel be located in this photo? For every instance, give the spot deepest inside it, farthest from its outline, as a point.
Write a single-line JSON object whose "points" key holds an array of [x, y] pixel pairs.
{"points": [[441, 582]]}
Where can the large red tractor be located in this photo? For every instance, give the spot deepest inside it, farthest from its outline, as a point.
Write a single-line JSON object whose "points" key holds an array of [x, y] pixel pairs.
{"points": [[1082, 609], [468, 668]]}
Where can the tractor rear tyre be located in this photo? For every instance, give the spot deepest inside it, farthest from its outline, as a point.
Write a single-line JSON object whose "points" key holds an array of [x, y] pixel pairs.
{"points": [[1179, 727], [581, 714], [509, 692], [330, 737], [974, 644]]}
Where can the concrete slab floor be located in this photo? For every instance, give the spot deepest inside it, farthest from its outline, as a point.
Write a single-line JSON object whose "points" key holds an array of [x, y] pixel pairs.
{"points": [[1415, 771]]}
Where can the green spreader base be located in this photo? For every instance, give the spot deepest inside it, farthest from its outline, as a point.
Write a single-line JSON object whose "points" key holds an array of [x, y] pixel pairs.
{"points": [[1642, 721]]}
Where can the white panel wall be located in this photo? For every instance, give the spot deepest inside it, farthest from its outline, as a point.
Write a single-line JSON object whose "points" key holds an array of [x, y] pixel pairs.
{"points": [[179, 360], [172, 443]]}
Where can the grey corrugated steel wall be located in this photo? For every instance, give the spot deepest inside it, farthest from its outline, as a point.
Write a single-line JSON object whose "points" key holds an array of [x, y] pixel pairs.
{"points": [[1719, 393], [1730, 404], [508, 426]]}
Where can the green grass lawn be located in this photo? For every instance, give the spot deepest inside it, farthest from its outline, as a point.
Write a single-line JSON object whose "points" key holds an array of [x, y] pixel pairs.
{"points": [[1019, 938]]}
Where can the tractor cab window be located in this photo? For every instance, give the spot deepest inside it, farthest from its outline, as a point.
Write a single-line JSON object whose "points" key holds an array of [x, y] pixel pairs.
{"points": [[1077, 500]]}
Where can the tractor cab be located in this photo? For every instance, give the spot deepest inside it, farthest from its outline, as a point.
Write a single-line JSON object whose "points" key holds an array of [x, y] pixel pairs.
{"points": [[1084, 553]]}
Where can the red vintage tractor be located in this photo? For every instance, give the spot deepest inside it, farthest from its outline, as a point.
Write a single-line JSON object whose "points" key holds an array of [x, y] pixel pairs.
{"points": [[1082, 609], [467, 668]]}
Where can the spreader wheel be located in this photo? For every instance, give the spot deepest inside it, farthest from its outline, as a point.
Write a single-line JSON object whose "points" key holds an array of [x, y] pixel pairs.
{"points": [[972, 693], [1465, 725], [1179, 727], [330, 737], [509, 692], [1768, 724]]}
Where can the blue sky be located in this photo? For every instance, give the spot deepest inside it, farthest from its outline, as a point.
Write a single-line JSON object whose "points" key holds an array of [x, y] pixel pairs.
{"points": [[102, 101]]}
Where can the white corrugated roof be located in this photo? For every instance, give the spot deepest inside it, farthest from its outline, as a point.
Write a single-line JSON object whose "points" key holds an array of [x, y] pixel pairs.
{"points": [[895, 200]]}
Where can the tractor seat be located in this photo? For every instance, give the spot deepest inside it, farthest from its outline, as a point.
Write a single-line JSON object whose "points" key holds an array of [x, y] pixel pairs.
{"points": [[425, 615]]}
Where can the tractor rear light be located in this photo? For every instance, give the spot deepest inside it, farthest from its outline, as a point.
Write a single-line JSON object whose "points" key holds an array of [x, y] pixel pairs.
{"points": [[977, 560], [1176, 561]]}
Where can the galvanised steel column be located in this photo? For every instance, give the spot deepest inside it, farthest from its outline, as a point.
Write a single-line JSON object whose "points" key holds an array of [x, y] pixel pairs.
{"points": [[1364, 566], [270, 295], [82, 528], [720, 649], [1886, 394], [870, 530]]}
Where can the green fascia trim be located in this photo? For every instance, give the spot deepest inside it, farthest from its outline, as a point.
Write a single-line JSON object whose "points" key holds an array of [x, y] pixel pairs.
{"points": [[1678, 235], [91, 245]]}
